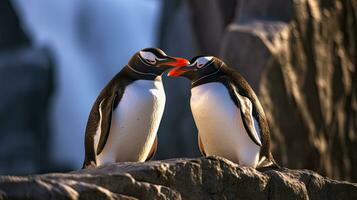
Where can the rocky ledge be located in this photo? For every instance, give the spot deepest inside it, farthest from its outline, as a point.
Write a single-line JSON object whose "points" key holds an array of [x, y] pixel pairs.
{"points": [[201, 178]]}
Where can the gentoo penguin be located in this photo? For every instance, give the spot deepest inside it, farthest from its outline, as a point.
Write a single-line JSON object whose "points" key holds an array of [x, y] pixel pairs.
{"points": [[229, 117], [125, 117]]}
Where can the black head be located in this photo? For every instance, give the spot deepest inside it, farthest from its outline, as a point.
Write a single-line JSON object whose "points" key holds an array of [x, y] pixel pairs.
{"points": [[154, 61], [200, 67]]}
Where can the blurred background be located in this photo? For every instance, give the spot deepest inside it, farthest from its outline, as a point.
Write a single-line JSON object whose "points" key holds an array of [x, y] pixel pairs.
{"points": [[299, 56]]}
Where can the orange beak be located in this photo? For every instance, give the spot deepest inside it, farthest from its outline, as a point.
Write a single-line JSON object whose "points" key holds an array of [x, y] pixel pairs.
{"points": [[176, 62], [177, 71]]}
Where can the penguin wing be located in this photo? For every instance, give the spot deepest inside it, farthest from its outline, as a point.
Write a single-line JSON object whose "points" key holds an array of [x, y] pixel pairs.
{"points": [[249, 122], [106, 107]]}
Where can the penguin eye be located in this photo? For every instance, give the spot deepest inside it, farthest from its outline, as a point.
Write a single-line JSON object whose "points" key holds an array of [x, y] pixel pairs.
{"points": [[200, 65], [153, 62], [202, 61]]}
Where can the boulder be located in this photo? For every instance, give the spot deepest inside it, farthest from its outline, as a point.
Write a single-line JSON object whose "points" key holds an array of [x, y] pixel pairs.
{"points": [[26, 85], [300, 57], [208, 24], [11, 32], [201, 178], [26, 82]]}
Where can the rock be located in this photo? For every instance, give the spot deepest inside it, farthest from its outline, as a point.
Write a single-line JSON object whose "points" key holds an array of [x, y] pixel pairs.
{"points": [[254, 51], [201, 178], [271, 10], [302, 63], [26, 82], [228, 10], [26, 85], [11, 33], [208, 25]]}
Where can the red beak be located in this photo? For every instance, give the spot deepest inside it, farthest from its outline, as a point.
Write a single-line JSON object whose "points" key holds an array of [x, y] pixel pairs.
{"points": [[177, 62], [177, 71]]}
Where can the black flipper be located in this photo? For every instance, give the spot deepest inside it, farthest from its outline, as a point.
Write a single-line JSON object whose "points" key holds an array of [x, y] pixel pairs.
{"points": [[108, 100], [106, 107], [246, 109]]}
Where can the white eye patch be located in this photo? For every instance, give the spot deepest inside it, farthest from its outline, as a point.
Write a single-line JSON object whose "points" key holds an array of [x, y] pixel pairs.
{"points": [[149, 57], [202, 61]]}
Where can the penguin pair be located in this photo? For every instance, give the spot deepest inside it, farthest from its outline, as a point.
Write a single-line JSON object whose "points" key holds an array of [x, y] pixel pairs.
{"points": [[124, 119]]}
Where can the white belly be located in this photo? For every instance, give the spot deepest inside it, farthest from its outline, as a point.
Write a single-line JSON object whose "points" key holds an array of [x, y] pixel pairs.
{"points": [[135, 123], [220, 125]]}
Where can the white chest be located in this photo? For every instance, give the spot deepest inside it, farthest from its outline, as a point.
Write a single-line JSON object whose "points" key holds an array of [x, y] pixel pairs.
{"points": [[135, 122], [220, 125]]}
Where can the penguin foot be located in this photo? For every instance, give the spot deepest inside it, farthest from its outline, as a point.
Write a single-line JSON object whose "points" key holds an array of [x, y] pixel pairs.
{"points": [[90, 165], [267, 164], [267, 168]]}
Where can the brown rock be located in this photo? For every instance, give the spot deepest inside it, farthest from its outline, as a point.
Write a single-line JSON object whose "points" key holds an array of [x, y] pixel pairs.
{"points": [[208, 24], [270, 10], [202, 178], [303, 65]]}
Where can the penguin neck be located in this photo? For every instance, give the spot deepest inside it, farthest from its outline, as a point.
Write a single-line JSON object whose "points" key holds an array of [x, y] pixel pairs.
{"points": [[208, 78]]}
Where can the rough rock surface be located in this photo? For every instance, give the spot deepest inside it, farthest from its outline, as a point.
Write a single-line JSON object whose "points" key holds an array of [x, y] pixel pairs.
{"points": [[202, 178], [302, 62]]}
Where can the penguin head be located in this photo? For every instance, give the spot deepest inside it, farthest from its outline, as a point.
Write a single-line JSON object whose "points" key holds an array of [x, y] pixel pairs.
{"points": [[154, 61], [200, 66]]}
